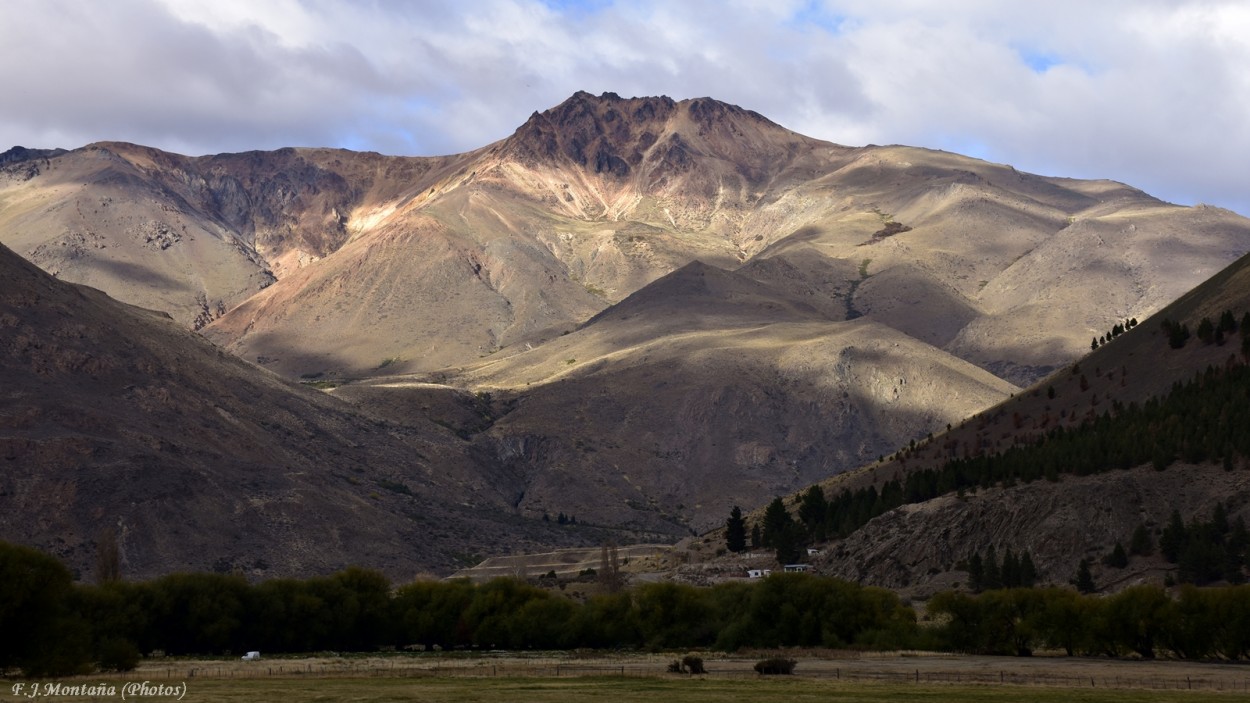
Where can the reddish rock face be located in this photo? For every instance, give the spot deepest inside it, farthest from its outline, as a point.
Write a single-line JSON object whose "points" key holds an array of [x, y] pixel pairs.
{"points": [[605, 135]]}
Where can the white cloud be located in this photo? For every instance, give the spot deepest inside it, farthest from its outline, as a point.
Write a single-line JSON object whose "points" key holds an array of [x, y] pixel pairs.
{"points": [[1150, 92]]}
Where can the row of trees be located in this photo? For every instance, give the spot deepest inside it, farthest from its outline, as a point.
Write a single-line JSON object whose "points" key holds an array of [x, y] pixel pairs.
{"points": [[1207, 550], [778, 530], [53, 626], [1209, 332], [1115, 331], [988, 573], [1214, 332], [1198, 623]]}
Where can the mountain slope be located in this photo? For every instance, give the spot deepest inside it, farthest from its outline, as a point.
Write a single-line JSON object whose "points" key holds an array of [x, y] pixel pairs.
{"points": [[532, 236], [702, 390], [117, 417], [595, 198], [1077, 515]]}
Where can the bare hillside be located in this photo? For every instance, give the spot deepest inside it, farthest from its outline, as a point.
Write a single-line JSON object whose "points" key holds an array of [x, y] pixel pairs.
{"points": [[738, 393], [116, 417]]}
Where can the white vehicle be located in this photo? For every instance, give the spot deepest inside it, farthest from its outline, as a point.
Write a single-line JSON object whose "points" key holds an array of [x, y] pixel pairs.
{"points": [[251, 656]]}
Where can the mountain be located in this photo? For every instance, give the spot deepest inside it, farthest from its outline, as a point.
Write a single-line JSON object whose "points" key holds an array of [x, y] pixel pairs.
{"points": [[117, 417], [1096, 497], [336, 263], [636, 311], [702, 390]]}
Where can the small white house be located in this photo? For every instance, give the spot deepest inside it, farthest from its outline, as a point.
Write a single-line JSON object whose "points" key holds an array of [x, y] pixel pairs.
{"points": [[251, 656], [755, 573], [796, 568], [812, 551]]}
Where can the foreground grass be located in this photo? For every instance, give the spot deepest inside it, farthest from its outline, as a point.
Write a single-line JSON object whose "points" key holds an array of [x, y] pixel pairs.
{"points": [[649, 690]]}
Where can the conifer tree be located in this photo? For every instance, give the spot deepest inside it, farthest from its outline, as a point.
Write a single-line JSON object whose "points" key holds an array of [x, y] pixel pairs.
{"points": [[1219, 518], [1227, 322], [1011, 570], [1118, 558], [976, 573], [993, 573], [1238, 547], [1172, 543], [776, 518], [1206, 331], [735, 531], [1028, 572], [788, 544], [812, 509], [1084, 580], [781, 532]]}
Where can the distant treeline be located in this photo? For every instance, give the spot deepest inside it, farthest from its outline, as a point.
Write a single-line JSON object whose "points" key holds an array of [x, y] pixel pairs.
{"points": [[64, 626], [1199, 623], [52, 626]]}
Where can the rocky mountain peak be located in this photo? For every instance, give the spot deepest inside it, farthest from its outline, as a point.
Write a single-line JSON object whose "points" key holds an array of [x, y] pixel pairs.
{"points": [[657, 145], [606, 134], [20, 153]]}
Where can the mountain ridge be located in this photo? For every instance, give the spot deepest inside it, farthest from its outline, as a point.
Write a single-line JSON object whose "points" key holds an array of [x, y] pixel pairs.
{"points": [[628, 304]]}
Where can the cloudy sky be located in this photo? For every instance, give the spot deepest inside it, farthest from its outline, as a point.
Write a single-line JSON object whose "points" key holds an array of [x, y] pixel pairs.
{"points": [[1154, 93]]}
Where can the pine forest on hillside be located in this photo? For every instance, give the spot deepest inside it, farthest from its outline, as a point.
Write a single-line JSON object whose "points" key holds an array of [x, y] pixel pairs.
{"points": [[1199, 420]]}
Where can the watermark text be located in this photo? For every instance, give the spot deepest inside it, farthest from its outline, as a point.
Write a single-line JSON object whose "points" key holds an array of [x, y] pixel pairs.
{"points": [[130, 690]]}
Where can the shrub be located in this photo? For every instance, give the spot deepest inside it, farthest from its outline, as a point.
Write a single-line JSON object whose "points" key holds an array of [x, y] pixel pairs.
{"points": [[774, 666], [693, 664]]}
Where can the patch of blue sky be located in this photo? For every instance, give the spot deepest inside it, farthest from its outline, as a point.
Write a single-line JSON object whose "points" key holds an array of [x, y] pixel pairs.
{"points": [[577, 7], [1039, 61], [815, 14]]}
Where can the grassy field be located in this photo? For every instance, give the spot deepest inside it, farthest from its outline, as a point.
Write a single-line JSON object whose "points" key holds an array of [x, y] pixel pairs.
{"points": [[650, 690], [557, 677]]}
